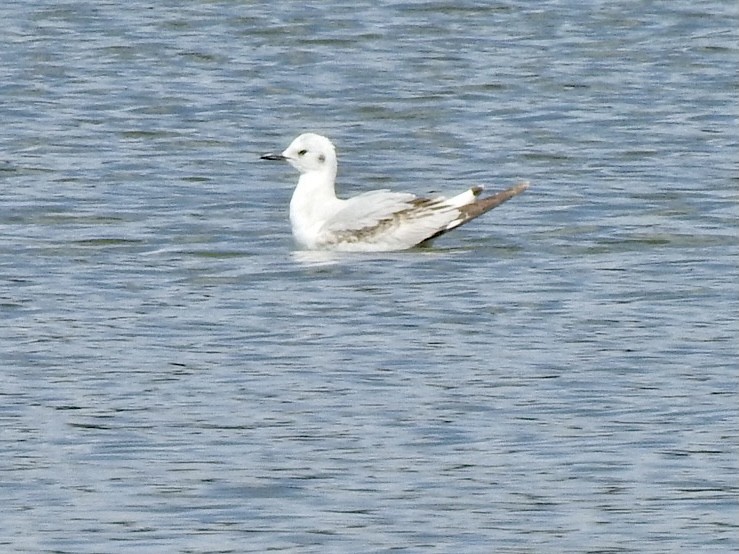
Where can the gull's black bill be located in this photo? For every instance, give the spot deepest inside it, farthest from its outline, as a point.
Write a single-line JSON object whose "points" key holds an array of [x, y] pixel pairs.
{"points": [[272, 157]]}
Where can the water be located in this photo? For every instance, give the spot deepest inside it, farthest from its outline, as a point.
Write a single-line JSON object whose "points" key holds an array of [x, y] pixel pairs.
{"points": [[559, 376]]}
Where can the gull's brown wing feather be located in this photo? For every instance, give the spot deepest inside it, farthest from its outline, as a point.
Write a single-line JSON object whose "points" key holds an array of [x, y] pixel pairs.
{"points": [[475, 209]]}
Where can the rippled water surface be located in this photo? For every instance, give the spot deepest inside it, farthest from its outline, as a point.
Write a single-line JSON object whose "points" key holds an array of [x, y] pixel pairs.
{"points": [[559, 376]]}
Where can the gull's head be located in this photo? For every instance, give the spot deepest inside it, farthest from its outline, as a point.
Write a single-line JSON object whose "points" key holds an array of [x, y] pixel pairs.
{"points": [[309, 153]]}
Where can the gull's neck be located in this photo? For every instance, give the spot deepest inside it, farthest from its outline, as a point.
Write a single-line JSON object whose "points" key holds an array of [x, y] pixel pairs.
{"points": [[313, 202]]}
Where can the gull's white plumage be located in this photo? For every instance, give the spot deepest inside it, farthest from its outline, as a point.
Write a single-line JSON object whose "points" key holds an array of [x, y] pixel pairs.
{"points": [[375, 221]]}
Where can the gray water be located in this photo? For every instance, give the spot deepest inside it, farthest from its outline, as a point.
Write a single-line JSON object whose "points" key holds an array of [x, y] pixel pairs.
{"points": [[559, 376]]}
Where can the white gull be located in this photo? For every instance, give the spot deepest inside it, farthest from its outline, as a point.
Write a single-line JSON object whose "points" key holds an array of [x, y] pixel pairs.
{"points": [[375, 221]]}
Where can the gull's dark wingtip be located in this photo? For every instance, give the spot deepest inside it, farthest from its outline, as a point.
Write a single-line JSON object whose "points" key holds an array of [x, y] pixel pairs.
{"points": [[470, 211], [479, 207]]}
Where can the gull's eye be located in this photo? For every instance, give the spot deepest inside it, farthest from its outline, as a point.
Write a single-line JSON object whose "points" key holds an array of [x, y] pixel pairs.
{"points": [[303, 152]]}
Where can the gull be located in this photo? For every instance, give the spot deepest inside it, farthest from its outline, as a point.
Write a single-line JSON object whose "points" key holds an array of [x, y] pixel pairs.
{"points": [[375, 221]]}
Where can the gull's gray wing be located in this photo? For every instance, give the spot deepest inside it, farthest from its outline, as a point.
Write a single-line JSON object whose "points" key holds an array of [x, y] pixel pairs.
{"points": [[384, 220]]}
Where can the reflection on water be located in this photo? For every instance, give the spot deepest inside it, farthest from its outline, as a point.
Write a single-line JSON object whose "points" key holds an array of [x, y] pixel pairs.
{"points": [[316, 258]]}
